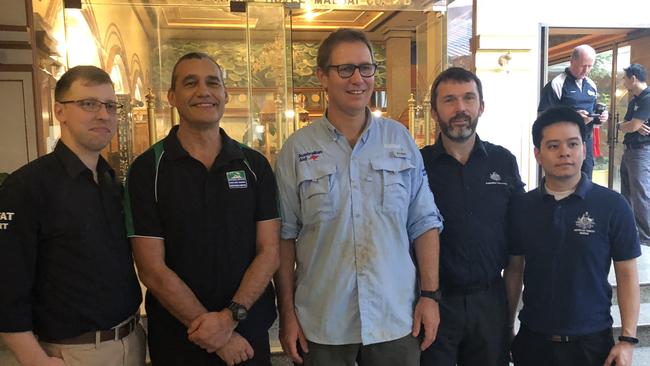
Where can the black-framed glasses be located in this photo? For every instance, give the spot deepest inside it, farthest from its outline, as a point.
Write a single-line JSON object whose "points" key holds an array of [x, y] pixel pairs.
{"points": [[347, 70], [94, 105]]}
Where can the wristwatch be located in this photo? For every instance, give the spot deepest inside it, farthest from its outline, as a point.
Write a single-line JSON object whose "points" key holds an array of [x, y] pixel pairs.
{"points": [[434, 295], [627, 339], [239, 311]]}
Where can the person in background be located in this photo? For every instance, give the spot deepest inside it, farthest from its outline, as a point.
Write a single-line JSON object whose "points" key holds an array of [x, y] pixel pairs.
{"points": [[635, 164], [573, 88]]}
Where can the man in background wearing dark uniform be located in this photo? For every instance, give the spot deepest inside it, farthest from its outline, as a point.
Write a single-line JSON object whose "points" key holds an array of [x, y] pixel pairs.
{"points": [[205, 231], [635, 164], [573, 88], [568, 231], [70, 294], [473, 182]]}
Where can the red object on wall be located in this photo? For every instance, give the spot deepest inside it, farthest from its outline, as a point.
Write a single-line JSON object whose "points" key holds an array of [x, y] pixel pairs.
{"points": [[596, 142]]}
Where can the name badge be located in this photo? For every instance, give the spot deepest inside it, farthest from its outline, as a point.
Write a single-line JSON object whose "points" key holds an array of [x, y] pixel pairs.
{"points": [[237, 179]]}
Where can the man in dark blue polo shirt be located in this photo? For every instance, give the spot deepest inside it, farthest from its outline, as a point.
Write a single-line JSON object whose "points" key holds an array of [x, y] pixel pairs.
{"points": [[204, 231], [567, 232], [472, 181], [573, 88], [635, 165]]}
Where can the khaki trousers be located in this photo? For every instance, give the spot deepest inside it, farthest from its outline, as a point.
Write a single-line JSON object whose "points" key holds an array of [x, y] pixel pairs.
{"points": [[128, 351]]}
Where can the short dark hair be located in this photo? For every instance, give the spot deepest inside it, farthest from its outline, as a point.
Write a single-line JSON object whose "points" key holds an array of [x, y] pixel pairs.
{"points": [[559, 114], [342, 35], [637, 70], [457, 74], [194, 56], [91, 75]]}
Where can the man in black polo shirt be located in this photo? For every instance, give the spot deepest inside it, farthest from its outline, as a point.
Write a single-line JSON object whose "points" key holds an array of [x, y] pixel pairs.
{"points": [[635, 165], [568, 231], [70, 294], [473, 182], [205, 231]]}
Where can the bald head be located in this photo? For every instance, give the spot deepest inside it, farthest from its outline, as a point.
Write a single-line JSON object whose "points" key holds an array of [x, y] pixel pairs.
{"points": [[582, 60]]}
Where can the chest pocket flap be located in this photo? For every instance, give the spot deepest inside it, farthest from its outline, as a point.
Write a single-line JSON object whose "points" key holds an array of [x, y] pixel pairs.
{"points": [[392, 165], [395, 175], [316, 182]]}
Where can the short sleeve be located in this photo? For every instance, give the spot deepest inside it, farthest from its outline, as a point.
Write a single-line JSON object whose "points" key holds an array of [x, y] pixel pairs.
{"points": [[547, 99], [515, 237], [623, 234], [140, 207], [643, 109], [266, 200]]}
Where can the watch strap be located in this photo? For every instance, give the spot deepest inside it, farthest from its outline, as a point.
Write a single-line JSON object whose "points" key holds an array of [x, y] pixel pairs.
{"points": [[631, 340], [433, 295]]}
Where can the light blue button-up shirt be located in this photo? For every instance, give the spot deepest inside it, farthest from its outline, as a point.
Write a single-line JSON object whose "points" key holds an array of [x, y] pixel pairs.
{"points": [[354, 213]]}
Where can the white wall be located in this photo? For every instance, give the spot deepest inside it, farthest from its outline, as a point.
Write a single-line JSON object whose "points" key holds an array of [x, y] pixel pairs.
{"points": [[511, 98]]}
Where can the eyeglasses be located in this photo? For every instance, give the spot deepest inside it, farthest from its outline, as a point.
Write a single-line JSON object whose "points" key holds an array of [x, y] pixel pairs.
{"points": [[94, 105], [347, 70]]}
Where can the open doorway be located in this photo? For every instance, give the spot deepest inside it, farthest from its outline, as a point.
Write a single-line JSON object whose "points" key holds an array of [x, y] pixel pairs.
{"points": [[615, 49]]}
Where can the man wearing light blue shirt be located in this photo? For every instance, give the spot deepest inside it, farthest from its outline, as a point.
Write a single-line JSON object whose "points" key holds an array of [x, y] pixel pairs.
{"points": [[356, 212]]}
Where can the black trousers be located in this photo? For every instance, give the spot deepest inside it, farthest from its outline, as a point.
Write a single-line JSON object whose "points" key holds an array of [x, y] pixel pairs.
{"points": [[473, 328], [531, 349], [169, 346]]}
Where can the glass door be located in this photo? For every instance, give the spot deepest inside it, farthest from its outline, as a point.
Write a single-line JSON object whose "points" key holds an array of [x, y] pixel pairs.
{"points": [[618, 109]]}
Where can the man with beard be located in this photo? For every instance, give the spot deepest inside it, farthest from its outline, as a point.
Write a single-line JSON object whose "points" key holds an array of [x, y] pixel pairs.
{"points": [[473, 182]]}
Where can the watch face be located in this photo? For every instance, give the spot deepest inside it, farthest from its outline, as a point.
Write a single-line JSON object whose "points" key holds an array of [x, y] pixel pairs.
{"points": [[241, 313]]}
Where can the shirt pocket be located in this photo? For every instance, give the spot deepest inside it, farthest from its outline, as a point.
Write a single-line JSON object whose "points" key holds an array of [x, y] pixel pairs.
{"points": [[316, 182], [395, 177]]}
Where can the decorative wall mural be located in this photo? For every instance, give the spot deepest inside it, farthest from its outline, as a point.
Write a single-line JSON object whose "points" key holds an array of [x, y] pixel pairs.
{"points": [[265, 73]]}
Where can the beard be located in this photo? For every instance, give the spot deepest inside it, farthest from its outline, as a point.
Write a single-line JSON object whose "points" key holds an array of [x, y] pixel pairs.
{"points": [[458, 133]]}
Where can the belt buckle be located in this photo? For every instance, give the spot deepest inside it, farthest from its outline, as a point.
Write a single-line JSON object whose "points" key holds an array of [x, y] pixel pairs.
{"points": [[559, 338]]}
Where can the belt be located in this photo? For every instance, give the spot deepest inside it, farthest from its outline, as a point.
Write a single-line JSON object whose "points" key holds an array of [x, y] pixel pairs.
{"points": [[114, 334], [564, 338], [471, 289]]}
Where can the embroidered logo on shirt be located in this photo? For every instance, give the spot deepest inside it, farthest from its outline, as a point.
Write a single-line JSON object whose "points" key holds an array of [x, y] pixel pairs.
{"points": [[5, 216], [591, 92], [312, 155], [237, 179], [495, 178], [585, 224], [399, 153]]}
